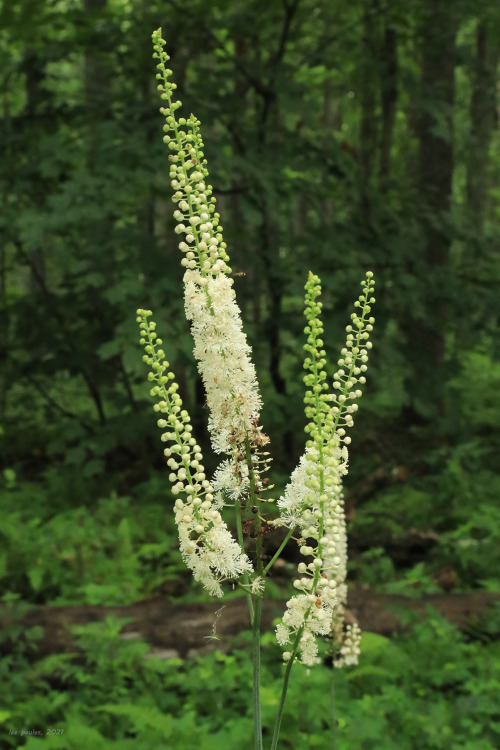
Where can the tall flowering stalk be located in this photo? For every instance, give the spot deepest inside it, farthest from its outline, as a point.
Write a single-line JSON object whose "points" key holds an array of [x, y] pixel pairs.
{"points": [[313, 501], [206, 544], [220, 346]]}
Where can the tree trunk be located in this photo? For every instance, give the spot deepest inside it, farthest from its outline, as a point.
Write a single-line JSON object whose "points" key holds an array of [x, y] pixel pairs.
{"points": [[483, 118], [426, 334], [96, 71], [368, 126], [389, 94]]}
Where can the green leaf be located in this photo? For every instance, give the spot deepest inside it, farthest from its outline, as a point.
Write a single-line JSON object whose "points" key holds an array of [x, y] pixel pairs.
{"points": [[370, 670], [372, 643], [10, 477], [109, 349], [35, 576], [142, 717]]}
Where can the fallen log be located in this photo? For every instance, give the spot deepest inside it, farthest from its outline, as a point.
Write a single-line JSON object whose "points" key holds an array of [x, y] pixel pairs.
{"points": [[183, 630]]}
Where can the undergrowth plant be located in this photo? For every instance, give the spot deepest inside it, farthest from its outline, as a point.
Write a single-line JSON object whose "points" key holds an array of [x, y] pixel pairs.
{"points": [[311, 508]]}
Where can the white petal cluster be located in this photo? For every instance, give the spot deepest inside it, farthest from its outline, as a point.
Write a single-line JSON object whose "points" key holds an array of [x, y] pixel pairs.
{"points": [[232, 479], [321, 523], [206, 543], [223, 355], [207, 546]]}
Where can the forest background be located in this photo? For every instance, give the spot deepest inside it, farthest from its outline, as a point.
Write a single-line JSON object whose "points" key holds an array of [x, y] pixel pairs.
{"points": [[340, 137]]}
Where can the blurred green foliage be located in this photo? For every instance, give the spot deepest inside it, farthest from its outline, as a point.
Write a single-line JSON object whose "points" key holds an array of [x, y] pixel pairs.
{"points": [[429, 690], [114, 554], [340, 137]]}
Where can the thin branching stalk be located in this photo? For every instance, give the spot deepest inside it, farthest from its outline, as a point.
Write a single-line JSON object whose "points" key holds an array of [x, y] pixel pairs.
{"points": [[279, 551]]}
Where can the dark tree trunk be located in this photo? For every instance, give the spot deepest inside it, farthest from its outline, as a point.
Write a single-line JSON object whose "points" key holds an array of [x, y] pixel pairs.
{"points": [[389, 95], [97, 79], [483, 118], [426, 335], [368, 126]]}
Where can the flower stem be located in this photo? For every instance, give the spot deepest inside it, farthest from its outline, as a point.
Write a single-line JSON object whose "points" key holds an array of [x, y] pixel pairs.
{"points": [[257, 721], [278, 552], [332, 703], [246, 577], [284, 689], [257, 610]]}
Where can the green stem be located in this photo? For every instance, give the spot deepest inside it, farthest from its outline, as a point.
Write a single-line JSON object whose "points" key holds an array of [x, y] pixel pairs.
{"points": [[284, 689], [255, 500], [246, 577], [257, 720], [332, 702], [280, 548]]}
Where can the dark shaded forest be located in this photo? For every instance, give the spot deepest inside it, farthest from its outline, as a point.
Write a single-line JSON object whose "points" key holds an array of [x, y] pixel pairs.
{"points": [[340, 138]]}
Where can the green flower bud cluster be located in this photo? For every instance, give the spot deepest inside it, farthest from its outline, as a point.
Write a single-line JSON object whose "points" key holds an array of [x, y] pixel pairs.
{"points": [[317, 408], [353, 361], [196, 217], [206, 544], [325, 419]]}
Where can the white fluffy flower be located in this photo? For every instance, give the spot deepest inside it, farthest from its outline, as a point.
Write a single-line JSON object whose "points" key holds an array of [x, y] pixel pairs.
{"points": [[208, 547], [231, 478], [223, 355], [320, 517], [282, 634], [299, 500]]}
